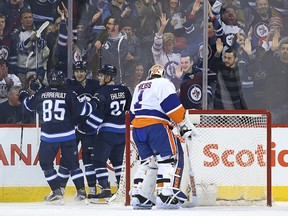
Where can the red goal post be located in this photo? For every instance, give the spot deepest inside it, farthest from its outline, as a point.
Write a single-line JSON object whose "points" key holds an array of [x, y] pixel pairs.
{"points": [[232, 152]]}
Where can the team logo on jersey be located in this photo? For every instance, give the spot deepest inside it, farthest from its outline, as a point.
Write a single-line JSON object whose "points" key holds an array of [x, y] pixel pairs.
{"points": [[4, 52], [170, 68], [195, 93], [261, 30], [200, 51], [230, 39], [84, 96]]}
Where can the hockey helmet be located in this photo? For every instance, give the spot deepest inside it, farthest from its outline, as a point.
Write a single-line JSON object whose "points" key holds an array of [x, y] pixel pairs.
{"points": [[108, 70], [156, 71], [56, 78], [80, 65]]}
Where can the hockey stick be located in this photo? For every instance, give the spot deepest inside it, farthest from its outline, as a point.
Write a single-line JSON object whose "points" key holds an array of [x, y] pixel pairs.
{"points": [[193, 191], [22, 110], [41, 29], [119, 60]]}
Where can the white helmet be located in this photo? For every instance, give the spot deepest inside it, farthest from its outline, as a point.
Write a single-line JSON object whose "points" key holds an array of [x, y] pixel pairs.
{"points": [[156, 71]]}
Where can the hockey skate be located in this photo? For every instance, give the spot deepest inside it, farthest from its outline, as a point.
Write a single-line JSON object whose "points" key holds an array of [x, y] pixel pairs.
{"points": [[91, 192], [55, 197], [140, 202], [81, 196], [168, 202], [102, 197]]}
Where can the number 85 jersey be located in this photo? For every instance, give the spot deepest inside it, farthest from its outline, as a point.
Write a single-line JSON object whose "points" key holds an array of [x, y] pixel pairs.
{"points": [[155, 101], [58, 110]]}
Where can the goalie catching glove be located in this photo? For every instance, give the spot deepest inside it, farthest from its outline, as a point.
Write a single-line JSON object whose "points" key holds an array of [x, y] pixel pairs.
{"points": [[187, 128]]}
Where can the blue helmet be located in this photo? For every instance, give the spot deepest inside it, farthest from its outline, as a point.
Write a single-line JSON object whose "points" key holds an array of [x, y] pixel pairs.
{"points": [[80, 65], [108, 70]]}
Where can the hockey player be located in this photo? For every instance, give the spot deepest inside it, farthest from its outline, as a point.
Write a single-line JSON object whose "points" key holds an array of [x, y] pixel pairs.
{"points": [[110, 141], [154, 105], [57, 107], [85, 89]]}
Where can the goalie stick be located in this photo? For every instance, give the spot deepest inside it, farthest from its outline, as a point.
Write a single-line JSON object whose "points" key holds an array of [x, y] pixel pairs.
{"points": [[183, 133], [193, 190]]}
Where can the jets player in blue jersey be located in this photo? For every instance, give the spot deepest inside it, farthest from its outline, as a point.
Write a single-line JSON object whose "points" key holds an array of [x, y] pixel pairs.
{"points": [[57, 108], [85, 89], [110, 143]]}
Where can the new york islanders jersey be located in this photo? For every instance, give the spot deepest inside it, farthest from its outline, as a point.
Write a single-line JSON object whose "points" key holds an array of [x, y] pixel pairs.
{"points": [[155, 101], [57, 111]]}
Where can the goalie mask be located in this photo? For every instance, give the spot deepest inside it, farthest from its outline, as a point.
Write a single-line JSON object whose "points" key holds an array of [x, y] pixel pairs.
{"points": [[56, 78], [156, 71]]}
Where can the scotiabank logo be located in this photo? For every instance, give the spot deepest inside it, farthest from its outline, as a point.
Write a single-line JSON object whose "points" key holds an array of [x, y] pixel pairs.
{"points": [[243, 157]]}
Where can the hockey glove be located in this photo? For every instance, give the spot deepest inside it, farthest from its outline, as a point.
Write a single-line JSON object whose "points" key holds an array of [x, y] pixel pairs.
{"points": [[23, 93]]}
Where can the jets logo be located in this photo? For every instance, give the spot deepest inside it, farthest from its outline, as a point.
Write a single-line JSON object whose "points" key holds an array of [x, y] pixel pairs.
{"points": [[261, 30], [229, 39], [200, 51], [195, 93], [170, 69], [84, 96]]}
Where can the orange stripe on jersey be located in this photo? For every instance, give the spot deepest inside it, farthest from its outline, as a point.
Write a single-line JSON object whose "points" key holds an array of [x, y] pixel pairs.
{"points": [[178, 115], [172, 140], [143, 122]]}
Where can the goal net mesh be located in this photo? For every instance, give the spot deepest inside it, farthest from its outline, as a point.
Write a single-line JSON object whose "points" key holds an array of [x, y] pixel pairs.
{"points": [[228, 157]]}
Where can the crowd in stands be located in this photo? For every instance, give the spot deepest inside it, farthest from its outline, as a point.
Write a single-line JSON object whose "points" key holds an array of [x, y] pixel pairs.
{"points": [[247, 46]]}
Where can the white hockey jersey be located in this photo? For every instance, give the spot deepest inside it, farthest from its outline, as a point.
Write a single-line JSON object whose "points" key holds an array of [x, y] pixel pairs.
{"points": [[155, 101]]}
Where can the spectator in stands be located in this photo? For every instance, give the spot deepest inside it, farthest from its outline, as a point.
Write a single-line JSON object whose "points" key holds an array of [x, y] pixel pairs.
{"points": [[7, 80], [258, 21], [61, 49], [148, 12], [280, 9], [115, 48], [40, 12], [275, 96], [228, 94], [135, 76], [134, 49], [191, 91], [93, 31], [122, 10], [245, 58], [229, 23], [28, 43], [275, 33], [12, 111], [175, 25], [12, 10], [162, 49], [7, 49]]}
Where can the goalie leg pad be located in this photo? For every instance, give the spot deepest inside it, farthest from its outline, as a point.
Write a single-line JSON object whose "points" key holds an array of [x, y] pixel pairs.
{"points": [[168, 183], [144, 183]]}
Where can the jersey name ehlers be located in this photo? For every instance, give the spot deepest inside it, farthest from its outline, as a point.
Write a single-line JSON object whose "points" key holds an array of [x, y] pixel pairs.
{"points": [[118, 95], [53, 95]]}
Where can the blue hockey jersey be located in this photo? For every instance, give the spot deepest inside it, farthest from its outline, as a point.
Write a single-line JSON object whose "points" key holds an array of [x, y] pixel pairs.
{"points": [[115, 100], [57, 111]]}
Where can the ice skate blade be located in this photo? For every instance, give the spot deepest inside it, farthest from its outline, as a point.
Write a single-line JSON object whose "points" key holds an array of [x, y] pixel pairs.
{"points": [[99, 201], [55, 202]]}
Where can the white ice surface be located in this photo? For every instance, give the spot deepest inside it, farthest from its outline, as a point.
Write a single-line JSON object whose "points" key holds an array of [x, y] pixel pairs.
{"points": [[72, 209]]}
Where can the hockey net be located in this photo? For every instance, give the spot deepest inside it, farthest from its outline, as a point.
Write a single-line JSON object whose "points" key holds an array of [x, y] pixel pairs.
{"points": [[230, 158]]}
